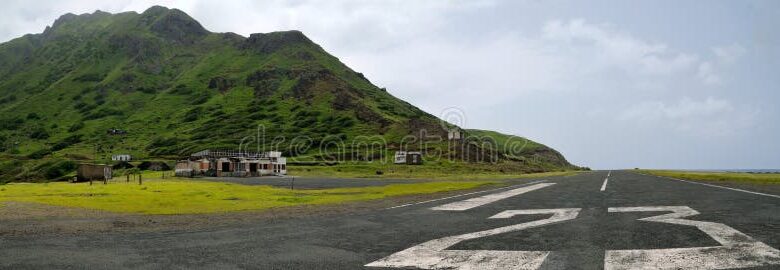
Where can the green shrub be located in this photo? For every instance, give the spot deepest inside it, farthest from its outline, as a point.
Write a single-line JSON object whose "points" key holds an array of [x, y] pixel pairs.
{"points": [[200, 98], [104, 112], [9, 168], [90, 77], [76, 127], [11, 123], [181, 89], [39, 133], [8, 99], [39, 154], [160, 142], [56, 169], [65, 143], [193, 114]]}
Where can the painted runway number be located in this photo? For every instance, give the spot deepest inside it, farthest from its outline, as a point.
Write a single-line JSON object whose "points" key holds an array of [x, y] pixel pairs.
{"points": [[737, 250], [432, 254]]}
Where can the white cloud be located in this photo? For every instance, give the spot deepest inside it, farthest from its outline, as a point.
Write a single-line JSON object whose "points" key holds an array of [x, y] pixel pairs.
{"points": [[729, 54], [707, 74], [619, 49], [709, 116], [562, 57], [725, 56], [684, 108]]}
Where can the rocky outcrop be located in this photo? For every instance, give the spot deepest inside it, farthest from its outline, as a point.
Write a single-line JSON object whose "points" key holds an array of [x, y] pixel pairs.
{"points": [[177, 26], [267, 43]]}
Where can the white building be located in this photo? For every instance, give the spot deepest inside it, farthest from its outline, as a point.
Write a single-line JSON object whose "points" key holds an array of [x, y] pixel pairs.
{"points": [[455, 134], [405, 157], [222, 163], [121, 157]]}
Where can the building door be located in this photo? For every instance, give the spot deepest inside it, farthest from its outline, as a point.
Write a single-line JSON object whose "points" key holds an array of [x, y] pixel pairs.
{"points": [[253, 167], [225, 166]]}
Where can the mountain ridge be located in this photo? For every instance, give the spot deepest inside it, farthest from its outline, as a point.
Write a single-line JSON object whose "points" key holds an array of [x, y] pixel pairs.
{"points": [[176, 88]]}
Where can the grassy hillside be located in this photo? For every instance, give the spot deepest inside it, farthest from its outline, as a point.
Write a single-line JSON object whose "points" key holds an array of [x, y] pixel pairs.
{"points": [[176, 88]]}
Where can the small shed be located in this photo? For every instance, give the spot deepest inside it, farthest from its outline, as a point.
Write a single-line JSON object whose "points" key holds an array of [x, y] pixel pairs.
{"points": [[87, 172], [409, 158], [455, 134]]}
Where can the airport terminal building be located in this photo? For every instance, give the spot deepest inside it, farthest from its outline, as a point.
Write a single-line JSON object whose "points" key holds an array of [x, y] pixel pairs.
{"points": [[228, 163]]}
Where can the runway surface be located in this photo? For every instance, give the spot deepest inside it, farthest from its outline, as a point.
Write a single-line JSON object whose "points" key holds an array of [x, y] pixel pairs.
{"points": [[597, 220]]}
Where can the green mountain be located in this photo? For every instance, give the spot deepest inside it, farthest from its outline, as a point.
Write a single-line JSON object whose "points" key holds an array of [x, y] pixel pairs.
{"points": [[170, 87]]}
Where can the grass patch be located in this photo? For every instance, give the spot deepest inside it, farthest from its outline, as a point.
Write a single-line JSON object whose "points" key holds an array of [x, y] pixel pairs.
{"points": [[194, 197], [752, 178]]}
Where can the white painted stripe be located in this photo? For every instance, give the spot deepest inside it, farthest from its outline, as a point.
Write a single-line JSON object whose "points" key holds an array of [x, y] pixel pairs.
{"points": [[604, 186], [465, 194], [435, 255], [399, 206], [716, 186], [737, 250], [490, 198]]}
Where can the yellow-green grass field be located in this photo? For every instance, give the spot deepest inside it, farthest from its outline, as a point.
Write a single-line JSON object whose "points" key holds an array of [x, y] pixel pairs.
{"points": [[751, 178], [181, 196]]}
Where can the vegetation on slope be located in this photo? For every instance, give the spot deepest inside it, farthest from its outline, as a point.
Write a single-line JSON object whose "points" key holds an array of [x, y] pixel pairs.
{"points": [[176, 88]]}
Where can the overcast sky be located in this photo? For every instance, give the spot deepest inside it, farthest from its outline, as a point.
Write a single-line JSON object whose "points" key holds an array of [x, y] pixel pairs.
{"points": [[616, 84]]}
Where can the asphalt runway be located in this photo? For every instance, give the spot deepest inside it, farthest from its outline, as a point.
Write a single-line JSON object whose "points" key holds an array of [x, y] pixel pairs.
{"points": [[629, 221]]}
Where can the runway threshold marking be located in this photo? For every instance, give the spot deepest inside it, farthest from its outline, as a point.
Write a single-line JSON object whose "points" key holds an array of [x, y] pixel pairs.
{"points": [[465, 194], [736, 249], [490, 198], [716, 186]]}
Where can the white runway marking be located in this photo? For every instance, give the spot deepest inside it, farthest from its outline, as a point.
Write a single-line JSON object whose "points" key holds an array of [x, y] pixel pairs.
{"points": [[432, 254], [737, 250], [734, 189], [604, 185], [461, 195], [490, 198]]}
